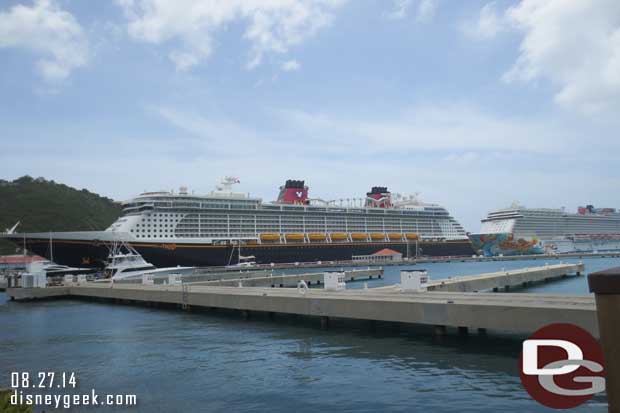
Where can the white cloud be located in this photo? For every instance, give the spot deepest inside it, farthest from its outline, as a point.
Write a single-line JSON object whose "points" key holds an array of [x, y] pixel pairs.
{"points": [[424, 10], [575, 45], [291, 65], [273, 26], [401, 9], [443, 128], [488, 23], [47, 30], [463, 158]]}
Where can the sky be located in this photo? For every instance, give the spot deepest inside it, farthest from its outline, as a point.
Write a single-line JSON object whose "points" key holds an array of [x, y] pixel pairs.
{"points": [[473, 105]]}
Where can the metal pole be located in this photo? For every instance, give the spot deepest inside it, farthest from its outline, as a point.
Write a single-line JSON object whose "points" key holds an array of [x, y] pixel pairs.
{"points": [[606, 287], [51, 248]]}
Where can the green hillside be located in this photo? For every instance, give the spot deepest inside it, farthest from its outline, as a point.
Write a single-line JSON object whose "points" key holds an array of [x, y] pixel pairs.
{"points": [[43, 205]]}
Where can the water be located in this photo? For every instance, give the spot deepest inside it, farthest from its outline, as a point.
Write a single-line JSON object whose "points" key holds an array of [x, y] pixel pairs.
{"points": [[175, 361]]}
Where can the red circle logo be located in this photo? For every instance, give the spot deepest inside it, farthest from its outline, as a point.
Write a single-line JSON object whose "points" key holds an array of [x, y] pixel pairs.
{"points": [[561, 366]]}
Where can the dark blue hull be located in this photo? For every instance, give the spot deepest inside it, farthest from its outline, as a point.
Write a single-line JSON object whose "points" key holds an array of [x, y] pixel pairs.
{"points": [[94, 253]]}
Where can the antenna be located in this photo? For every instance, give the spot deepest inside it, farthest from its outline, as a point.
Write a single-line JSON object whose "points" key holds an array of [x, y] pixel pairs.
{"points": [[227, 183], [12, 229]]}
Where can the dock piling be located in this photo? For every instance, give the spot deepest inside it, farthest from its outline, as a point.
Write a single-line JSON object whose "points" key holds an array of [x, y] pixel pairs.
{"points": [[439, 331]]}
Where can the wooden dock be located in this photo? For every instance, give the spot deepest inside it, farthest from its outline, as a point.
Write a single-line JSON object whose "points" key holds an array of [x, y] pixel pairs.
{"points": [[508, 312]]}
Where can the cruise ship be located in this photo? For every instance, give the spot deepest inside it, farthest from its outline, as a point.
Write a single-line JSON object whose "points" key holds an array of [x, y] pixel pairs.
{"points": [[518, 230], [228, 228]]}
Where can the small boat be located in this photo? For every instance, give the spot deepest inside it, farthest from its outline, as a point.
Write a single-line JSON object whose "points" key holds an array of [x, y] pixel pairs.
{"points": [[246, 261], [377, 236], [126, 264]]}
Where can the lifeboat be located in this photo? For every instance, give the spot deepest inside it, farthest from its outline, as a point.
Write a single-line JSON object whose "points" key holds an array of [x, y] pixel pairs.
{"points": [[316, 237], [270, 237], [294, 237], [377, 236], [359, 236], [395, 236], [339, 236], [412, 236]]}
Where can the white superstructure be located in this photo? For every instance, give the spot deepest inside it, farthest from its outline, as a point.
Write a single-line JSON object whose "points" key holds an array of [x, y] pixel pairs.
{"points": [[546, 223], [224, 215]]}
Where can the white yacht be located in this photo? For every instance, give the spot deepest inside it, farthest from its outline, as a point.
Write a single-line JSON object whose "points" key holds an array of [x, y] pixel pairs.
{"points": [[126, 264]]}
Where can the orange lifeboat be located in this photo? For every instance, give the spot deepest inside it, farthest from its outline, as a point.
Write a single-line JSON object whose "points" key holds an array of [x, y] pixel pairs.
{"points": [[395, 236], [294, 237], [338, 236], [359, 236], [270, 237], [377, 236], [412, 236], [316, 237]]}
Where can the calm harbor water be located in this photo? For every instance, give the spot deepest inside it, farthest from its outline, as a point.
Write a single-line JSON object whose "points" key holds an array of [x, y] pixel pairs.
{"points": [[175, 361]]}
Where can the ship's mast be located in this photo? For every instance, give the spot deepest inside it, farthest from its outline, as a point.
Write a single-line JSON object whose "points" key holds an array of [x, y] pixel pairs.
{"points": [[51, 248]]}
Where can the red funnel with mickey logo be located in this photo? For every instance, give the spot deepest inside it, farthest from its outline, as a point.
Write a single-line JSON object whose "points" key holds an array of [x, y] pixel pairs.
{"points": [[293, 192]]}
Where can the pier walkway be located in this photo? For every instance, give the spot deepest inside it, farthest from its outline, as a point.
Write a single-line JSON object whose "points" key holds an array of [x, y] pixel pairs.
{"points": [[506, 279], [290, 280], [508, 312]]}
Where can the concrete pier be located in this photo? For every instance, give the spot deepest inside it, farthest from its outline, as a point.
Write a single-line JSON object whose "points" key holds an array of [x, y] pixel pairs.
{"points": [[414, 261], [514, 313], [506, 279], [290, 280]]}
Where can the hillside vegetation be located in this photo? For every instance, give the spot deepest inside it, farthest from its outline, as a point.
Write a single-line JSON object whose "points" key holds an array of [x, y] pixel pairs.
{"points": [[43, 205]]}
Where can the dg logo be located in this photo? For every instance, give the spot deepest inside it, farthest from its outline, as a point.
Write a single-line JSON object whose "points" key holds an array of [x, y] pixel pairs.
{"points": [[561, 366]]}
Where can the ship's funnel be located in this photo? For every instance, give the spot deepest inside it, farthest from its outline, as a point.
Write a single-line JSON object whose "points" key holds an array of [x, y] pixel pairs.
{"points": [[293, 192], [379, 197]]}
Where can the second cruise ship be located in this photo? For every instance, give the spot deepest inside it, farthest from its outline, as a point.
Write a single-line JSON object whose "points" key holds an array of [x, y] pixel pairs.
{"points": [[518, 230]]}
